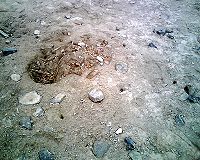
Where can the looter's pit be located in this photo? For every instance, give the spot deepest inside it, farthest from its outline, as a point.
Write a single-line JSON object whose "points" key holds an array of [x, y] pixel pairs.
{"points": [[72, 58]]}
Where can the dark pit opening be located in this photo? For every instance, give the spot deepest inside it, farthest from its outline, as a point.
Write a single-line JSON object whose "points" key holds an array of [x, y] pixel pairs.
{"points": [[61, 116]]}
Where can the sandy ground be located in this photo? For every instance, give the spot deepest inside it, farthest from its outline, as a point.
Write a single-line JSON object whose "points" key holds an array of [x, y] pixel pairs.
{"points": [[143, 102]]}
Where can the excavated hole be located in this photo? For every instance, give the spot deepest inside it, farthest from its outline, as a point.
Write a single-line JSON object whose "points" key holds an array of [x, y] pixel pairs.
{"points": [[72, 58]]}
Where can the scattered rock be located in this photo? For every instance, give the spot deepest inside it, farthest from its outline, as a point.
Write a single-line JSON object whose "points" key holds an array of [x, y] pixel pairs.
{"points": [[117, 29], [96, 95], [15, 77], [45, 154], [119, 131], [152, 45], [100, 148], [130, 143], [43, 23], [8, 41], [170, 36], [30, 98], [198, 39], [121, 67], [7, 51], [135, 155], [39, 112], [36, 32], [100, 59], [68, 16], [179, 119], [3, 34], [81, 44], [58, 99], [26, 122], [193, 99], [162, 32]]}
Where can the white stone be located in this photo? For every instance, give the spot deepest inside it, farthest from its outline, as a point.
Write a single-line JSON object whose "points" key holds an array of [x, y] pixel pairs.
{"points": [[119, 131], [100, 59], [15, 77], [39, 112], [81, 44], [58, 99], [43, 23], [30, 98], [36, 32], [96, 95]]}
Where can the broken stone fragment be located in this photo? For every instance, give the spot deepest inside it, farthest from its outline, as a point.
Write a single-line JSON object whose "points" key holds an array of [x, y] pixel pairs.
{"points": [[26, 122], [58, 99], [100, 148], [92, 74], [45, 154], [30, 98], [39, 112], [96, 95], [119, 131], [36, 32]]}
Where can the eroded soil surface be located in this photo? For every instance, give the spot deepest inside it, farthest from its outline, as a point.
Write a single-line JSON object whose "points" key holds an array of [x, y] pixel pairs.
{"points": [[154, 98]]}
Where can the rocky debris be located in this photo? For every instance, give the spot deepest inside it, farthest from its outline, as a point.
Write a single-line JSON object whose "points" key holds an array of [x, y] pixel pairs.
{"points": [[15, 77], [100, 148], [3, 34], [7, 41], [45, 154], [198, 38], [82, 44], [30, 98], [26, 122], [67, 16], [130, 143], [152, 45], [193, 99], [163, 32], [36, 32], [96, 95], [119, 131], [121, 67], [134, 155], [92, 74], [179, 119], [100, 59], [39, 112], [117, 29], [58, 98], [8, 51]]}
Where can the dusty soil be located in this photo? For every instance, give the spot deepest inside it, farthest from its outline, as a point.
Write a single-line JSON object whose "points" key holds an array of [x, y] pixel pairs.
{"points": [[143, 102]]}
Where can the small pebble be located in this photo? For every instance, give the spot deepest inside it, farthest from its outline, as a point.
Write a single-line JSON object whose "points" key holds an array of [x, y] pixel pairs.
{"points": [[100, 59], [81, 44], [15, 77], [100, 148], [134, 155], [170, 36], [39, 112], [96, 95], [8, 41], [45, 154], [36, 32], [30, 98], [92, 74], [121, 67], [26, 122], [179, 119], [68, 16], [198, 39], [119, 131], [58, 99], [152, 45]]}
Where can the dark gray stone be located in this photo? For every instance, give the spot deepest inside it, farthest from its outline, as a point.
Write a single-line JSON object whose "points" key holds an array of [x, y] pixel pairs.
{"points": [[45, 154], [152, 45], [130, 143], [26, 122], [7, 51], [100, 148]]}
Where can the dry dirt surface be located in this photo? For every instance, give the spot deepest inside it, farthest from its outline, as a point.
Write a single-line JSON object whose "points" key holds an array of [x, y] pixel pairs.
{"points": [[144, 55]]}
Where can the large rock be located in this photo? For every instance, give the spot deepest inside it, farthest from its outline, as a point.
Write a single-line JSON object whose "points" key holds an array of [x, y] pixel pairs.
{"points": [[45, 154], [100, 148], [96, 95], [30, 98]]}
